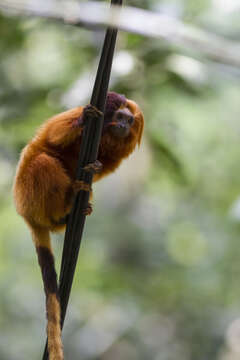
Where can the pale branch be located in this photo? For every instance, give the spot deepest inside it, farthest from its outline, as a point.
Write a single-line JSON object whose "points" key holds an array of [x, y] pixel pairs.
{"points": [[132, 20]]}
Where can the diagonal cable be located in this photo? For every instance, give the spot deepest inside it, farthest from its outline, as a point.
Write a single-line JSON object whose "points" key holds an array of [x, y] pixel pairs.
{"points": [[88, 154]]}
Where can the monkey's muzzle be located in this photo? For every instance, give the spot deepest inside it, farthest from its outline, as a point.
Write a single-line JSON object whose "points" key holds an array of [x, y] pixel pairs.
{"points": [[122, 121]]}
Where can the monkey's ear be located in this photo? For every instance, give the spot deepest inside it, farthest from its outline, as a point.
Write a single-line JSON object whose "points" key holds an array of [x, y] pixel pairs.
{"points": [[140, 119], [138, 115]]}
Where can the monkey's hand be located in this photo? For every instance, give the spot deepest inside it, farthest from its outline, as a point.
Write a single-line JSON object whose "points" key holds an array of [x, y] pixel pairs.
{"points": [[88, 210], [79, 185], [94, 168], [91, 112]]}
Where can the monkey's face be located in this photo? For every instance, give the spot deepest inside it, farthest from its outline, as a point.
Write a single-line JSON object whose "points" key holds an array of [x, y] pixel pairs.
{"points": [[122, 131], [120, 119]]}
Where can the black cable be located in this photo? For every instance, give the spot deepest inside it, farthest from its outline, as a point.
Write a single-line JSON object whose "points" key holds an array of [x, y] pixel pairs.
{"points": [[88, 154]]}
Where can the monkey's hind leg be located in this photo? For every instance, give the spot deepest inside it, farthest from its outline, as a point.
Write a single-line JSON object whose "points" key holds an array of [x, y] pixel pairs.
{"points": [[53, 192]]}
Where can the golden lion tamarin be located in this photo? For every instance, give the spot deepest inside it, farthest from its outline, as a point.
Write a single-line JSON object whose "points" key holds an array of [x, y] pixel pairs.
{"points": [[45, 183]]}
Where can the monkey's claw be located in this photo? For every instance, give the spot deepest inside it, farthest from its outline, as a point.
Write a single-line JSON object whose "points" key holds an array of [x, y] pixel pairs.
{"points": [[88, 210], [81, 185], [94, 168], [91, 112]]}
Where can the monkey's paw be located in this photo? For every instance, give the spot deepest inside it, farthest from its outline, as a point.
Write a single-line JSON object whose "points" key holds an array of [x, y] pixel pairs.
{"points": [[88, 210], [94, 168], [81, 185], [91, 112]]}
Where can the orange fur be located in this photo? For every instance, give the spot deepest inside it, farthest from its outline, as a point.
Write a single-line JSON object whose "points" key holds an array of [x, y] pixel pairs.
{"points": [[45, 185]]}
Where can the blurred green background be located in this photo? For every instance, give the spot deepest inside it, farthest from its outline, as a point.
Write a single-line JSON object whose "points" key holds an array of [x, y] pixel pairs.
{"points": [[159, 268]]}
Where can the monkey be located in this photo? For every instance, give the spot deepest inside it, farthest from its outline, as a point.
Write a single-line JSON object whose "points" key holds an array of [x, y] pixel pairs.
{"points": [[45, 184]]}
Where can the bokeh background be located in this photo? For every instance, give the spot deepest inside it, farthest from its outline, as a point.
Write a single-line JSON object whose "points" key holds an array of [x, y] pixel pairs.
{"points": [[158, 276]]}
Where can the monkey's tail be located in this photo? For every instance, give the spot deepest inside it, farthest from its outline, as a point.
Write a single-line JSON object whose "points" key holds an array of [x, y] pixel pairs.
{"points": [[42, 242]]}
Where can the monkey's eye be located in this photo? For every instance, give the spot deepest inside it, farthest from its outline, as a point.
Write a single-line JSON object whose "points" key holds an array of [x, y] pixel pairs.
{"points": [[131, 120], [120, 116]]}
